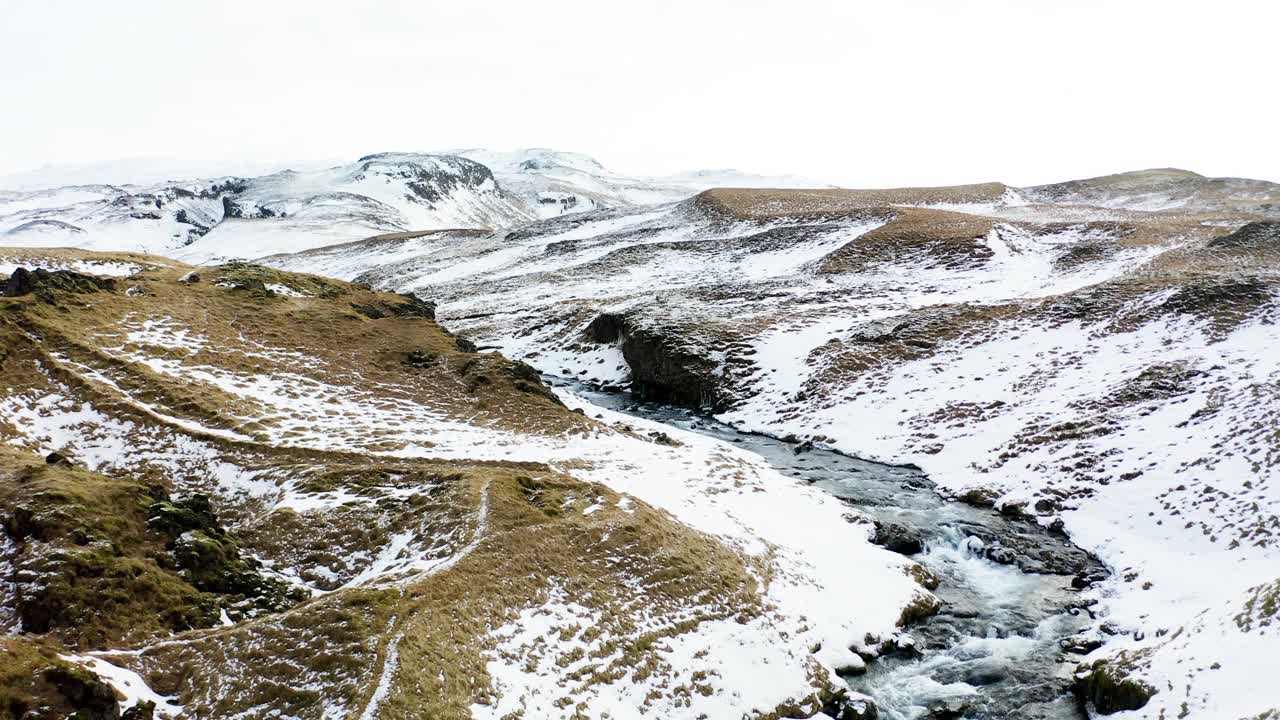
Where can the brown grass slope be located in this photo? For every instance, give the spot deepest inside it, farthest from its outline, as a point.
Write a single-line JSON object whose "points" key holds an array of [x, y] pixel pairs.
{"points": [[511, 532], [771, 204]]}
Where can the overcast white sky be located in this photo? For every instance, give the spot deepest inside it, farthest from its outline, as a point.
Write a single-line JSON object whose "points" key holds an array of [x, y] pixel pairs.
{"points": [[856, 93]]}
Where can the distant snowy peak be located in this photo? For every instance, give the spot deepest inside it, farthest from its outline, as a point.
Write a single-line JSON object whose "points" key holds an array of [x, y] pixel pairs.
{"points": [[532, 160], [403, 189], [146, 219]]}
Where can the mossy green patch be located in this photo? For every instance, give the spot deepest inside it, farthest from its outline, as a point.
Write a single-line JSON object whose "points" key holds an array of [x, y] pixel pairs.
{"points": [[254, 279], [1261, 607], [104, 560]]}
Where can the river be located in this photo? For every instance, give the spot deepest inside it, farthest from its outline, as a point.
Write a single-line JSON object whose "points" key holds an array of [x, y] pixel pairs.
{"points": [[996, 648]]}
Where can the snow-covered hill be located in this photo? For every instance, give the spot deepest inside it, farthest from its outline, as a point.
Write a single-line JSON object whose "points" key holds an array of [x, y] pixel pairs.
{"points": [[248, 217], [388, 192], [1095, 355]]}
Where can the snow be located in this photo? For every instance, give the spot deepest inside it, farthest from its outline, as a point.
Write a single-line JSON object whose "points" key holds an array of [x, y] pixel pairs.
{"points": [[303, 502], [540, 656], [54, 422], [236, 239], [10, 624], [162, 332], [832, 587], [93, 267], [285, 212], [21, 202], [1222, 670], [145, 171], [128, 683], [1186, 475], [390, 663], [400, 561], [292, 211], [284, 290]]}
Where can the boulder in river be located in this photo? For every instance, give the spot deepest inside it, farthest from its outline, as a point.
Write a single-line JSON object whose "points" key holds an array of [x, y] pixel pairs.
{"points": [[851, 706], [948, 708], [898, 538], [859, 709], [979, 497]]}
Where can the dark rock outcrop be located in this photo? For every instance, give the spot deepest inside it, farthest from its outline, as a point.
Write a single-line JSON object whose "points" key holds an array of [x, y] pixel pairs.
{"points": [[46, 285], [949, 708], [607, 328], [842, 707], [235, 208], [57, 458], [429, 178], [664, 368], [210, 560], [413, 306], [527, 380], [144, 710]]}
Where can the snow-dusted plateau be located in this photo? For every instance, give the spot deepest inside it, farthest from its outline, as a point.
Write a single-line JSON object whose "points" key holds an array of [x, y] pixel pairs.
{"points": [[509, 435]]}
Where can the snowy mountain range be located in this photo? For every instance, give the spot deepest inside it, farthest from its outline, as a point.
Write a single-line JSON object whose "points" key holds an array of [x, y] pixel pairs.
{"points": [[287, 211], [501, 435]]}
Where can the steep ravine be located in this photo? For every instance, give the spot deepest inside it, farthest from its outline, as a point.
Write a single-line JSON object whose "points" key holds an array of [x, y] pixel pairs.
{"points": [[663, 368], [1008, 637]]}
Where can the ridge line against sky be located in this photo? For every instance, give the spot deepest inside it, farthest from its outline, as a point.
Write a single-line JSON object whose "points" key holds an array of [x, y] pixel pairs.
{"points": [[859, 94]]}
